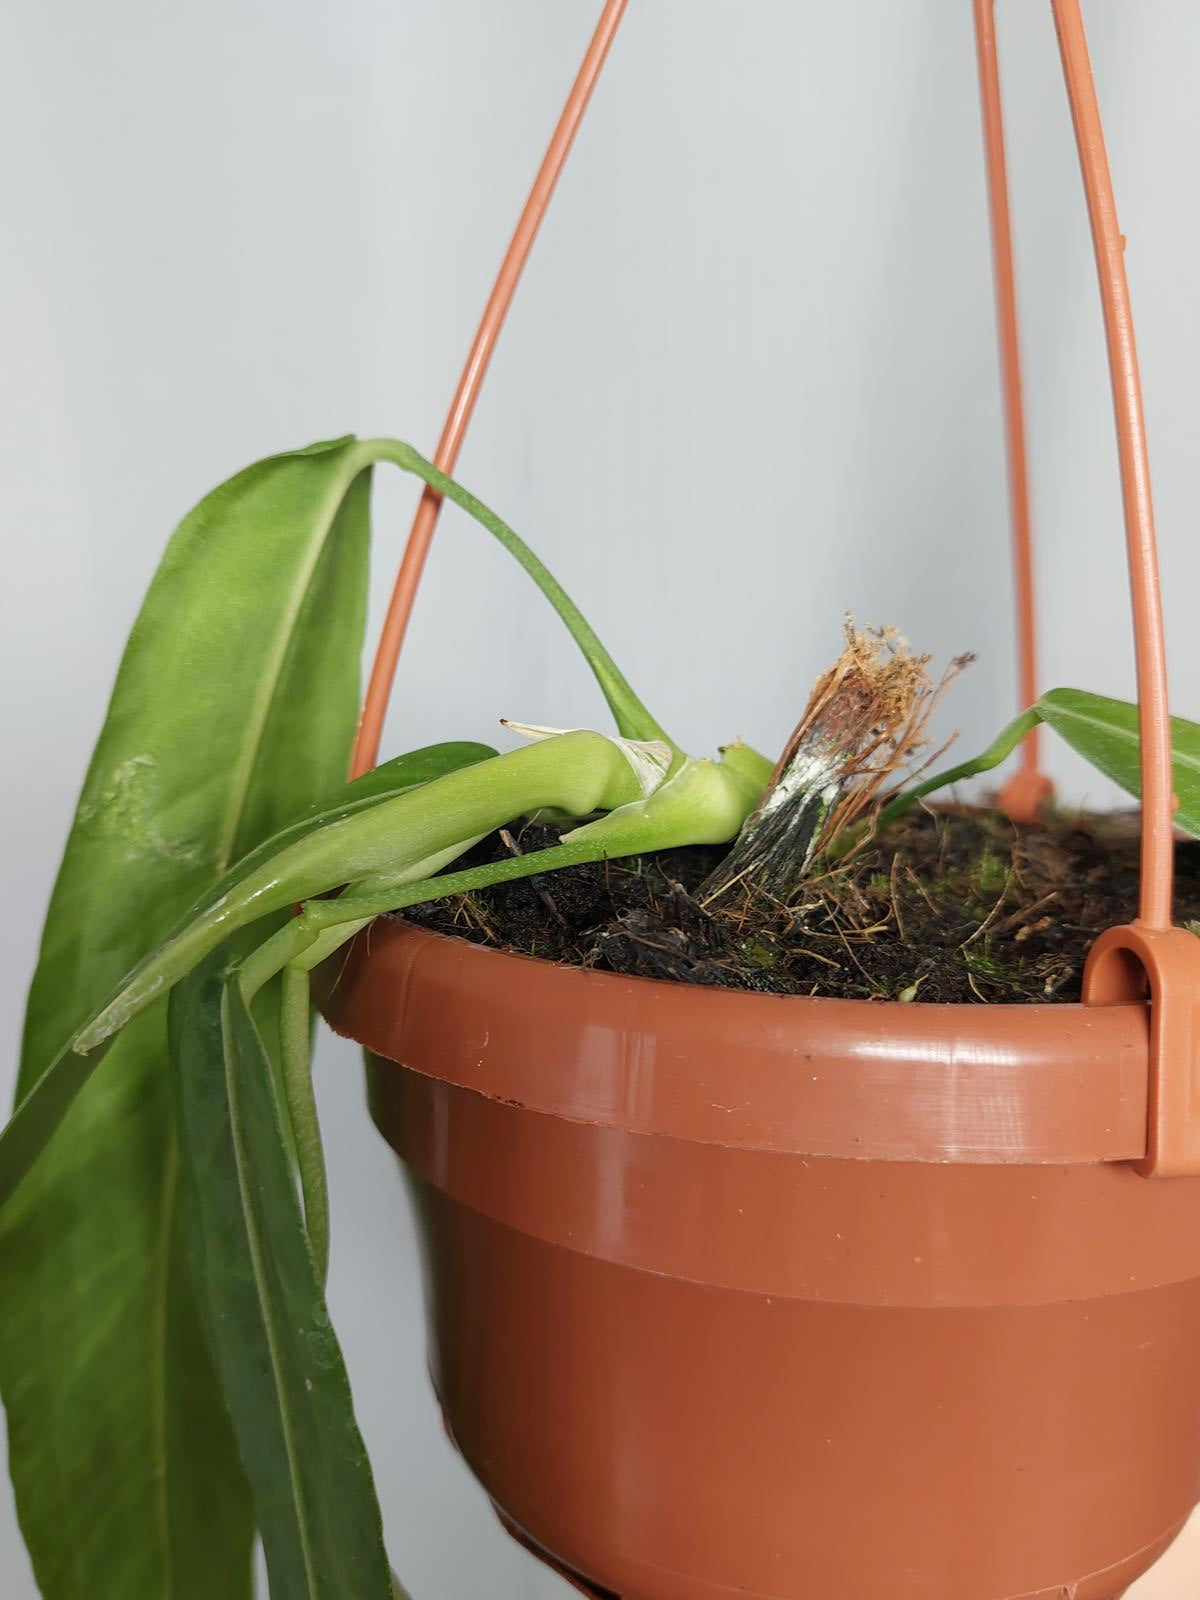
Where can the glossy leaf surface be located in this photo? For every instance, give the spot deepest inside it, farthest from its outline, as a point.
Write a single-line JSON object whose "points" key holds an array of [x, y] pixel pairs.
{"points": [[280, 1365], [1105, 732], [47, 1101], [233, 713]]}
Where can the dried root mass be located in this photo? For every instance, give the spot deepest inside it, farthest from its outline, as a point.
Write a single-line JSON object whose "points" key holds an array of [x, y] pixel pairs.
{"points": [[862, 732]]}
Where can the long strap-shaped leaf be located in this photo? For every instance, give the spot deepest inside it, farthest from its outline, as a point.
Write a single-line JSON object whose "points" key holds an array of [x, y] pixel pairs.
{"points": [[233, 712], [278, 1358]]}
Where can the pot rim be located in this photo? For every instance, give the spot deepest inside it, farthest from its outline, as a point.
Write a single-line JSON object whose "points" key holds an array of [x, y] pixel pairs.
{"points": [[804, 1075]]}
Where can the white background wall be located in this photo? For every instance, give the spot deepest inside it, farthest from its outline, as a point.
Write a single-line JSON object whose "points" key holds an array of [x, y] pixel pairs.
{"points": [[748, 385]]}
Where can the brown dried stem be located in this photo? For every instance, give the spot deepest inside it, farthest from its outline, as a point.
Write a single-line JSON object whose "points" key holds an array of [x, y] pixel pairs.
{"points": [[865, 721]]}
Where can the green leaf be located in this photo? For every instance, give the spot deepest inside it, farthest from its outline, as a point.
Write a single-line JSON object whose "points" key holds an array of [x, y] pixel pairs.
{"points": [[406, 771], [233, 713], [281, 1368], [231, 716], [1105, 732], [1001, 747], [43, 1106]]}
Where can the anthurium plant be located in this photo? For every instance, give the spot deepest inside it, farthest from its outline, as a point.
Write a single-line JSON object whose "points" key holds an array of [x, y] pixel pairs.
{"points": [[172, 1380]]}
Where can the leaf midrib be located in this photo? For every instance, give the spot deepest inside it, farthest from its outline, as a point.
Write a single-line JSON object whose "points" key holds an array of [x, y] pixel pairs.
{"points": [[256, 724], [1129, 737]]}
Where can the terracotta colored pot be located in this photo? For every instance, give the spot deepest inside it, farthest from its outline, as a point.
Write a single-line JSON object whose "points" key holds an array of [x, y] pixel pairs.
{"points": [[780, 1298]]}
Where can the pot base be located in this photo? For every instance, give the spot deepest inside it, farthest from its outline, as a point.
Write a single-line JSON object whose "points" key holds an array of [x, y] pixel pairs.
{"points": [[1081, 1591], [575, 1579], [946, 1452], [730, 1294]]}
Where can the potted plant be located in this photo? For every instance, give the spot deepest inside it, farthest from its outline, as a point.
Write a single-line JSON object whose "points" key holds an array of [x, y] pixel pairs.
{"points": [[731, 1291]]}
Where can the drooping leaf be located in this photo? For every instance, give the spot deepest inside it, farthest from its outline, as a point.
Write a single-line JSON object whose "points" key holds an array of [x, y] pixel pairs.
{"points": [[1105, 732], [43, 1106], [233, 713], [281, 1369]]}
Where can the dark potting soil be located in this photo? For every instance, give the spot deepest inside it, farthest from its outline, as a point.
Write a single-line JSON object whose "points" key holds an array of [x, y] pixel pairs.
{"points": [[958, 906]]}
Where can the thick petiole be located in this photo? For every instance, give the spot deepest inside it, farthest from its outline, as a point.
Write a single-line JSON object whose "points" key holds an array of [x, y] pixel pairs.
{"points": [[577, 772], [295, 1054], [706, 802]]}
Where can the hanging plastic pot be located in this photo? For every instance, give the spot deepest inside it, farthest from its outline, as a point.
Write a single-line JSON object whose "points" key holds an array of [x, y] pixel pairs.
{"points": [[771, 1297]]}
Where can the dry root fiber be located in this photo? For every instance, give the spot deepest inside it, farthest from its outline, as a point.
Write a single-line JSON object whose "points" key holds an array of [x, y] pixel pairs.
{"points": [[865, 723]]}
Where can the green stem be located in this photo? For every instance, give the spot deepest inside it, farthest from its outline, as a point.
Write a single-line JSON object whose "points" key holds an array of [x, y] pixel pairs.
{"points": [[633, 720], [404, 840], [746, 760], [419, 829], [323, 926], [358, 910], [304, 942], [1001, 747], [704, 803], [295, 1041]]}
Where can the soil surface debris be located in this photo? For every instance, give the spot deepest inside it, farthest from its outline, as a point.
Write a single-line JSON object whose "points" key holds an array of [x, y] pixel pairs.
{"points": [[954, 905]]}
